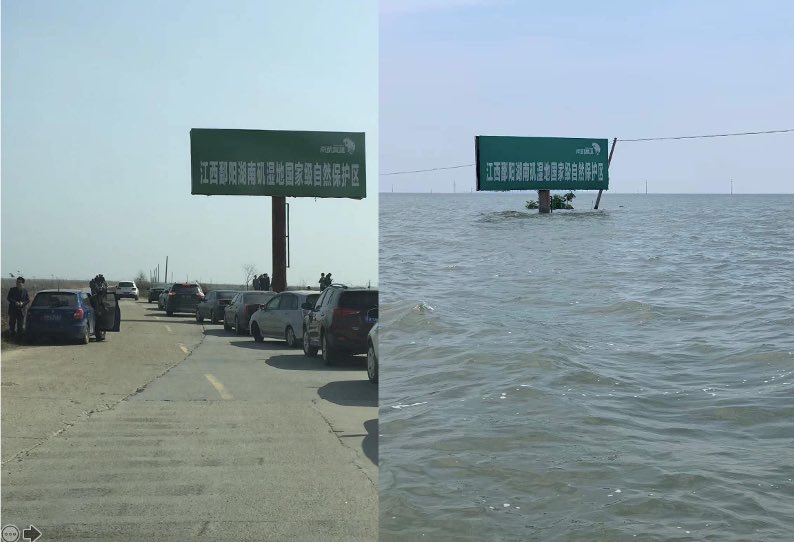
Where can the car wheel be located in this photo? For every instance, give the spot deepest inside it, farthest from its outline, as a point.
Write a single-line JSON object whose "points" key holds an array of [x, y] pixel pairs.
{"points": [[199, 318], [86, 336], [308, 349], [289, 336], [100, 335], [212, 317], [256, 333], [329, 356], [226, 326], [372, 364], [169, 313], [237, 329], [136, 299]]}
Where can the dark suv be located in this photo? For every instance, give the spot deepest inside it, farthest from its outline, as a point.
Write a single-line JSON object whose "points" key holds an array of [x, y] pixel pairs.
{"points": [[339, 322], [183, 298]]}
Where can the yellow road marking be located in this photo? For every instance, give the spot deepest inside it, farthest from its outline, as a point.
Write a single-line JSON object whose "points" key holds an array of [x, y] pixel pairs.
{"points": [[219, 387], [184, 349], [168, 329]]}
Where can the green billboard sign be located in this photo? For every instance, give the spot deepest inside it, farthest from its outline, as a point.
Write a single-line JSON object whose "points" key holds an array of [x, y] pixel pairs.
{"points": [[541, 163], [277, 163]]}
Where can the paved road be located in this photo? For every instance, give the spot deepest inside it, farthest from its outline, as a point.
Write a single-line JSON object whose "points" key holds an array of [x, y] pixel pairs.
{"points": [[176, 429]]}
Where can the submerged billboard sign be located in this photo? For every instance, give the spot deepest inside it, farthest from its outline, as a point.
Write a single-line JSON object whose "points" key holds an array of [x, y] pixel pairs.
{"points": [[541, 163], [277, 163]]}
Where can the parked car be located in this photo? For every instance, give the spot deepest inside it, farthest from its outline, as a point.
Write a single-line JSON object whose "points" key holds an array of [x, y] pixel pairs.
{"points": [[163, 296], [183, 297], [372, 354], [213, 305], [66, 314], [339, 322], [238, 312], [155, 291], [282, 317], [127, 288]]}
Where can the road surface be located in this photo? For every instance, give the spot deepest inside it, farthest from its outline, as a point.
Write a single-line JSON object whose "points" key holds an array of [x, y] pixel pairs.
{"points": [[174, 429]]}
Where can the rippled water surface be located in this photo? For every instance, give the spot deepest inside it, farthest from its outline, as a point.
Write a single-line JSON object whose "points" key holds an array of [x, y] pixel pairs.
{"points": [[621, 374]]}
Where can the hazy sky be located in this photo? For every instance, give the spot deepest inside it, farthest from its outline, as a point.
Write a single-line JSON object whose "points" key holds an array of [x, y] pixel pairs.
{"points": [[454, 69], [98, 99]]}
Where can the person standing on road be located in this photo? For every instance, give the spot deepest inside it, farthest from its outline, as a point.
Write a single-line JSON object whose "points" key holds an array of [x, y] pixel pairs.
{"points": [[99, 291], [18, 299], [265, 282]]}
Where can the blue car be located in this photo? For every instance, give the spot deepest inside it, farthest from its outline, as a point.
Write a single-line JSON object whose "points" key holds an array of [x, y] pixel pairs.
{"points": [[65, 314]]}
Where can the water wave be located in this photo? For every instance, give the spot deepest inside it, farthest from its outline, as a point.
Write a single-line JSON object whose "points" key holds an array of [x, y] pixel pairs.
{"points": [[624, 374]]}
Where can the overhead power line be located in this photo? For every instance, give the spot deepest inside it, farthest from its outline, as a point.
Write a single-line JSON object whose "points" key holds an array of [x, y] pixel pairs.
{"points": [[626, 140], [709, 135], [423, 170]]}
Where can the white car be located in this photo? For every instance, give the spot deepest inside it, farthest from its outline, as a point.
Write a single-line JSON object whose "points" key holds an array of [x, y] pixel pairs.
{"points": [[127, 288], [372, 354], [282, 317]]}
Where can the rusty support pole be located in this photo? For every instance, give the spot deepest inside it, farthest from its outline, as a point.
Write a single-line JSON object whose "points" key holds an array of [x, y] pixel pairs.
{"points": [[279, 221], [609, 161], [544, 201]]}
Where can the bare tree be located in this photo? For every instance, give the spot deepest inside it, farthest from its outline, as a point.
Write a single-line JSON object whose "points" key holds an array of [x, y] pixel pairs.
{"points": [[250, 272], [141, 281]]}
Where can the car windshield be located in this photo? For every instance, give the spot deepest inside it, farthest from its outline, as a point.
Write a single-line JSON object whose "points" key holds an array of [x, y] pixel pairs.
{"points": [[312, 299], [359, 300], [228, 294], [55, 300], [261, 297], [186, 288], [126, 285]]}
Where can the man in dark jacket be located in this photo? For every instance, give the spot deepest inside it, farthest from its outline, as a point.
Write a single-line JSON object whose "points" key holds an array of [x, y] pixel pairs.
{"points": [[18, 299], [265, 282]]}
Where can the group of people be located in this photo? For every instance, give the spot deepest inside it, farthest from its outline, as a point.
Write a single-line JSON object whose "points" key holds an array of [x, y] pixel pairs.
{"points": [[98, 285], [325, 281], [262, 282]]}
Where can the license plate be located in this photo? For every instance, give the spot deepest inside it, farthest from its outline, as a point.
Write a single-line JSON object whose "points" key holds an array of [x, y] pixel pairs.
{"points": [[372, 320], [51, 317]]}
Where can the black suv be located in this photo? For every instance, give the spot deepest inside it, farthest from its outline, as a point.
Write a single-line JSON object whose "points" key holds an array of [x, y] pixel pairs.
{"points": [[339, 321], [183, 298]]}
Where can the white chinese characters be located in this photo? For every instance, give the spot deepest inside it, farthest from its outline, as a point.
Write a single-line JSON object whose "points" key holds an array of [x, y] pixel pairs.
{"points": [[327, 176], [551, 172]]}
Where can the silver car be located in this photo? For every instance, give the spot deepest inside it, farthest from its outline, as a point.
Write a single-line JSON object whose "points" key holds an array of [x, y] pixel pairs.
{"points": [[237, 314], [372, 354], [127, 288], [282, 317]]}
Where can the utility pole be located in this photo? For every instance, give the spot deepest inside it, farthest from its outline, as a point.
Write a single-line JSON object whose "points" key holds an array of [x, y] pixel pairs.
{"points": [[609, 161]]}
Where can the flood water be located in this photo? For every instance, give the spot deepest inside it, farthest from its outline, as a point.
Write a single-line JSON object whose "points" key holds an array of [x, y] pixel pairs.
{"points": [[621, 374]]}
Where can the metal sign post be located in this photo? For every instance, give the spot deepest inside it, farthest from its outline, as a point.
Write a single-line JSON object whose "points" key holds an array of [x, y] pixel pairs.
{"points": [[279, 223]]}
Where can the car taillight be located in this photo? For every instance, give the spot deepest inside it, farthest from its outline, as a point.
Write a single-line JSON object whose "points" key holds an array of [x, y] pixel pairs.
{"points": [[341, 313], [78, 314], [171, 294], [200, 295]]}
